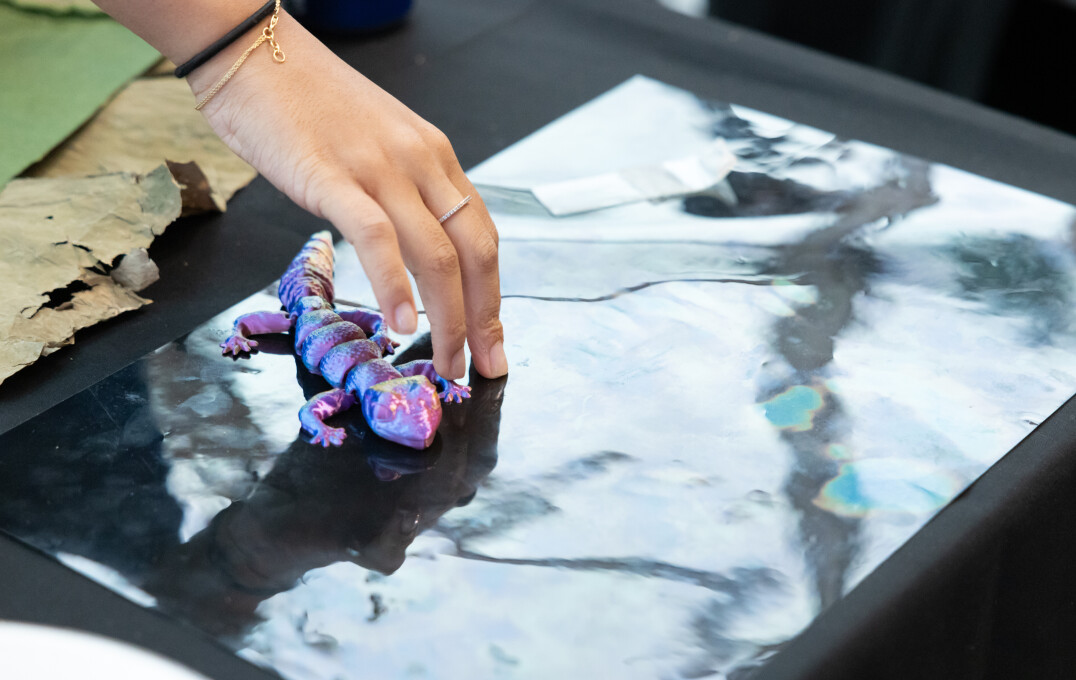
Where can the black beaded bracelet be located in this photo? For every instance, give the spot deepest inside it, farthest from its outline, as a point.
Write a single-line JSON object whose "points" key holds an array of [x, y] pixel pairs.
{"points": [[230, 37]]}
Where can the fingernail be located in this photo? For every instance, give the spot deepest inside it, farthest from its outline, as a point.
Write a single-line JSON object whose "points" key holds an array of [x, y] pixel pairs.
{"points": [[406, 318], [459, 365], [498, 362]]}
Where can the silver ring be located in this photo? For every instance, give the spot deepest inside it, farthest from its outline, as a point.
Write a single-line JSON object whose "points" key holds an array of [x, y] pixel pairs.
{"points": [[456, 209]]}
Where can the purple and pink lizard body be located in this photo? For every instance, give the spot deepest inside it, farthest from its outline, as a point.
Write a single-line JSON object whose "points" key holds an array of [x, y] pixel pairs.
{"points": [[401, 403]]}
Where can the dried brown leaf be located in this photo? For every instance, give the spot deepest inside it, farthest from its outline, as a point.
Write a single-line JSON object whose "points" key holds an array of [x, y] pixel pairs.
{"points": [[152, 120], [60, 230]]}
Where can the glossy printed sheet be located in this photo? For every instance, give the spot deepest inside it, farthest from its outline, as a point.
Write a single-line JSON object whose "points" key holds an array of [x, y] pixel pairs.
{"points": [[724, 410]]}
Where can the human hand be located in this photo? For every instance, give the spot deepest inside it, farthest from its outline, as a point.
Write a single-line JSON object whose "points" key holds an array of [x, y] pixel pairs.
{"points": [[344, 149]]}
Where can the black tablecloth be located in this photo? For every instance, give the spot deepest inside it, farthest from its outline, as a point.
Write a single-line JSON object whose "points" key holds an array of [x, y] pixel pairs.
{"points": [[982, 591]]}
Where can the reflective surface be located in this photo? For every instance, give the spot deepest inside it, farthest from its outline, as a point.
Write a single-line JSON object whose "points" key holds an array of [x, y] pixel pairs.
{"points": [[723, 411]]}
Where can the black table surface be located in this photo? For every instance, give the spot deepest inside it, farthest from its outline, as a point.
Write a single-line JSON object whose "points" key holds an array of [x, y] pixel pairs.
{"points": [[982, 591]]}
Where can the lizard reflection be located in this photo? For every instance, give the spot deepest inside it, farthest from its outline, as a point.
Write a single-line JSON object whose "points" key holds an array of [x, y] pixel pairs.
{"points": [[840, 267], [363, 503]]}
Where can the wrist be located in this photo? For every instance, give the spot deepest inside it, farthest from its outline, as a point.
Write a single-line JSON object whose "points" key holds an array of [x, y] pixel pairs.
{"points": [[204, 78], [270, 10]]}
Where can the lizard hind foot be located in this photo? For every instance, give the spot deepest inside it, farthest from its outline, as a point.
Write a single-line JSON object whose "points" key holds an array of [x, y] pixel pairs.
{"points": [[385, 343], [237, 345], [329, 436]]}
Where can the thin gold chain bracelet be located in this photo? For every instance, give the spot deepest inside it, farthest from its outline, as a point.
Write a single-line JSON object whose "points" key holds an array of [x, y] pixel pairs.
{"points": [[267, 35]]}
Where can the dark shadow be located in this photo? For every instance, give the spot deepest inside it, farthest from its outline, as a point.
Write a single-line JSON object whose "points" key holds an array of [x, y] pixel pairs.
{"points": [[88, 479]]}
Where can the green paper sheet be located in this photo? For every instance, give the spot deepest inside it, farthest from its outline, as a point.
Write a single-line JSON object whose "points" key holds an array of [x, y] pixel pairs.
{"points": [[55, 72], [56, 6]]}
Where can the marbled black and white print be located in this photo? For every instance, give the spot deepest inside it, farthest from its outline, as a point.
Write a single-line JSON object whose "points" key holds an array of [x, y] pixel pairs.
{"points": [[723, 411]]}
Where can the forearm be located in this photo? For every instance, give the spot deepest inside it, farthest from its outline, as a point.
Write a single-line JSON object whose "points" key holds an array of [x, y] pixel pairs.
{"points": [[179, 29]]}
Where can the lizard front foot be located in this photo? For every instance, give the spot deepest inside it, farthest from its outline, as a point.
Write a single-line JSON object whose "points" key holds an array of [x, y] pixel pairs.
{"points": [[450, 391], [237, 344], [329, 436]]}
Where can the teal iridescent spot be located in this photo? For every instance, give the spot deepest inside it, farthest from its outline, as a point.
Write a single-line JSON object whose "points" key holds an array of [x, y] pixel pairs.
{"points": [[794, 408], [889, 485]]}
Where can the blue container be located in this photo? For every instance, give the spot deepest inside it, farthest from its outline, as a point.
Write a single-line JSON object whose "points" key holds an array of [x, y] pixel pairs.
{"points": [[348, 15]]}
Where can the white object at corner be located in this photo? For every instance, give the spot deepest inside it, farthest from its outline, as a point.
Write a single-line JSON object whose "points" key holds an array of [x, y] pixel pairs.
{"points": [[35, 652], [677, 177]]}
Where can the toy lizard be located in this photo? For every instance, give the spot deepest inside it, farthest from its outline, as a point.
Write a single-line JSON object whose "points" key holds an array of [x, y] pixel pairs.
{"points": [[401, 403]]}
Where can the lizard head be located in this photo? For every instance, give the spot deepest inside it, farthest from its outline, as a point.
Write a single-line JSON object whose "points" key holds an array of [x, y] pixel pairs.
{"points": [[404, 410]]}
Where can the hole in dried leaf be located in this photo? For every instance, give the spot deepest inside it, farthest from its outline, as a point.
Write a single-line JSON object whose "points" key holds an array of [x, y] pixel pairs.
{"points": [[61, 296]]}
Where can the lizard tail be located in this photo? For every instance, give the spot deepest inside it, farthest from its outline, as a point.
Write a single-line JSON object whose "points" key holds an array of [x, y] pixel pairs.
{"points": [[310, 273]]}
